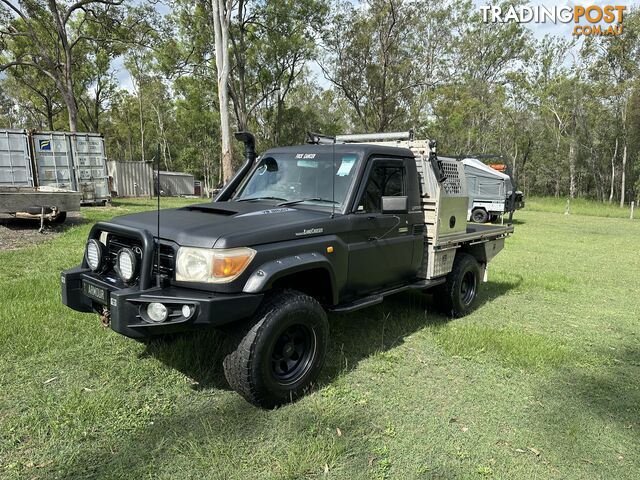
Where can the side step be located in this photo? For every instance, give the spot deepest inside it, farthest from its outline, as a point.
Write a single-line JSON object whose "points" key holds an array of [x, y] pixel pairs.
{"points": [[377, 298], [358, 304]]}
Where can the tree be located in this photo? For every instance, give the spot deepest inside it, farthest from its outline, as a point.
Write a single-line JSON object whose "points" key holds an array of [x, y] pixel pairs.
{"points": [[36, 94], [45, 36], [220, 17], [370, 59], [7, 110], [618, 65], [96, 84], [271, 44]]}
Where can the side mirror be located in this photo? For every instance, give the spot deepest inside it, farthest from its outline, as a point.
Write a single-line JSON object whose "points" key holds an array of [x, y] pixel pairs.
{"points": [[395, 204]]}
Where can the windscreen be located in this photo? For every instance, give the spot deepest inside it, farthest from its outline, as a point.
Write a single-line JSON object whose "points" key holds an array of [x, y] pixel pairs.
{"points": [[301, 178]]}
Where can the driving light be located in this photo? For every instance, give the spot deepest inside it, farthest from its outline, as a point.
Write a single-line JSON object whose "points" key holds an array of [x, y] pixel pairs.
{"points": [[94, 255], [126, 264], [186, 311], [216, 265], [157, 312]]}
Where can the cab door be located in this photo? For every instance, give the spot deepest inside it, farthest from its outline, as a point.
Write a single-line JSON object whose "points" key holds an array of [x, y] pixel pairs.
{"points": [[380, 244]]}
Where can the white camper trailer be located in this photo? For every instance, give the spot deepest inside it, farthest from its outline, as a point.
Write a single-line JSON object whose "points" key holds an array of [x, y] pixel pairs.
{"points": [[489, 191]]}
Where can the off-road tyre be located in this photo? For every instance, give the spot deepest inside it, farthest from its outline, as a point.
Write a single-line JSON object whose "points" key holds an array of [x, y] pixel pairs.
{"points": [[479, 215], [456, 297], [281, 350]]}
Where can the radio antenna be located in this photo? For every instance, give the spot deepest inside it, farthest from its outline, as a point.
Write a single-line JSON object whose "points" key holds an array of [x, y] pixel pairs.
{"points": [[333, 178], [158, 215]]}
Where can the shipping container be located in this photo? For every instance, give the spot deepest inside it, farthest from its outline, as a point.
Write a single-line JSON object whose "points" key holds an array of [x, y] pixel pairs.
{"points": [[90, 166], [52, 151], [15, 160], [131, 179], [176, 184]]}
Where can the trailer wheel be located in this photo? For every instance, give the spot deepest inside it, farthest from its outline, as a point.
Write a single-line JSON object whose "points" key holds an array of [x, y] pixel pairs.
{"points": [[281, 351], [480, 215], [455, 298]]}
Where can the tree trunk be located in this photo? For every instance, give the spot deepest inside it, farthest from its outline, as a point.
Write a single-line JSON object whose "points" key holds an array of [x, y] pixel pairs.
{"points": [[65, 82], [49, 108], [514, 165], [572, 166], [613, 171], [220, 17], [97, 104], [72, 110], [622, 174], [141, 119]]}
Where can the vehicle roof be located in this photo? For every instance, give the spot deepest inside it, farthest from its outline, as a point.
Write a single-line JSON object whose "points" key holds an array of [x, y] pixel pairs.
{"points": [[365, 148]]}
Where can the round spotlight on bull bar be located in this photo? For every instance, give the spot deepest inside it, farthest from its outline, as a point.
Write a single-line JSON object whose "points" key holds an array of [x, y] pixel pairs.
{"points": [[94, 255], [157, 312], [126, 264]]}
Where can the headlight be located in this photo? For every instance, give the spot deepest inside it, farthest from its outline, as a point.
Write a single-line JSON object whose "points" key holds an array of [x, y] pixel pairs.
{"points": [[94, 255], [126, 264], [215, 265]]}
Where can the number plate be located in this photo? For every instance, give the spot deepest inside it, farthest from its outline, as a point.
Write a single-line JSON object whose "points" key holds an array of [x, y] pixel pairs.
{"points": [[97, 293]]}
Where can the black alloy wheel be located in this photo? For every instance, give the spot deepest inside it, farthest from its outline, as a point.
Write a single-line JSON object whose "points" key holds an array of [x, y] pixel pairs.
{"points": [[468, 287], [292, 354]]}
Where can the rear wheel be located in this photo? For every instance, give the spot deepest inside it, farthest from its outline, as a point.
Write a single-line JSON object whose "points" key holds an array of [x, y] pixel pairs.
{"points": [[480, 215], [281, 350], [455, 298]]}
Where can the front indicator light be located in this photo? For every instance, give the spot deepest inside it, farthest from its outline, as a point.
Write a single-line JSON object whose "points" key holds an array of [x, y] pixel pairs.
{"points": [[157, 312], [231, 266], [216, 265]]}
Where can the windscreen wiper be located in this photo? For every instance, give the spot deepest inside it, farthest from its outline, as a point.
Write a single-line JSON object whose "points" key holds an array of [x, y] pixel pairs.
{"points": [[260, 198], [293, 202]]}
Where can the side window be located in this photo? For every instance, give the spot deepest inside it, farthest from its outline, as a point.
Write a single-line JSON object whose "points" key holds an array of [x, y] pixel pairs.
{"points": [[386, 179]]}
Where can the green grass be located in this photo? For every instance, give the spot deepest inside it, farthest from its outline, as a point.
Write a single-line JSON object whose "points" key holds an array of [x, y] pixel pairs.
{"points": [[580, 206], [541, 381]]}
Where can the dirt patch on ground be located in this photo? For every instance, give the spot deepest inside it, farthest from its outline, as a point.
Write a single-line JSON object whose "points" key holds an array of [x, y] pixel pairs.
{"points": [[18, 232]]}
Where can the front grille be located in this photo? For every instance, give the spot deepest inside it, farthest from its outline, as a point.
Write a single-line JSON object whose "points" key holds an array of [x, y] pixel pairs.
{"points": [[167, 261], [115, 243]]}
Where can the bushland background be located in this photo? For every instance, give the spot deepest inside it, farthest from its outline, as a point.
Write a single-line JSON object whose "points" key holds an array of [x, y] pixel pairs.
{"points": [[563, 112]]}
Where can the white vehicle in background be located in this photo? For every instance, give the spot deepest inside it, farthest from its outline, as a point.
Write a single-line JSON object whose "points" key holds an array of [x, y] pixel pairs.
{"points": [[489, 192]]}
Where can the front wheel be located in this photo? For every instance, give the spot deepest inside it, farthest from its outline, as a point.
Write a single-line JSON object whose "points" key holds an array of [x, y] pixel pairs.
{"points": [[455, 298], [282, 352]]}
